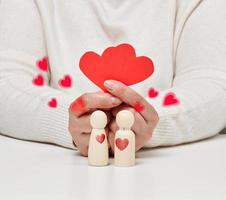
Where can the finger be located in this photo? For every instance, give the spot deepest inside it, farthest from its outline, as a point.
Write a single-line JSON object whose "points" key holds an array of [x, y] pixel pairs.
{"points": [[142, 130], [79, 125], [83, 150], [141, 140], [131, 97], [91, 101], [81, 139], [84, 124]]}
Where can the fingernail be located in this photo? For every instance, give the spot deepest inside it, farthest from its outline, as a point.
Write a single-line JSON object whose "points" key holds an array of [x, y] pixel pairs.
{"points": [[115, 101], [109, 84], [78, 105]]}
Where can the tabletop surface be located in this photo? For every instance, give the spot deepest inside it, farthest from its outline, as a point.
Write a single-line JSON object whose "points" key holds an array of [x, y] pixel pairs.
{"points": [[31, 170]]}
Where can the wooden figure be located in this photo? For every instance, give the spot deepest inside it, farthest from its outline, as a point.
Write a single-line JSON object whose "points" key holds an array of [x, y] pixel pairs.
{"points": [[124, 140], [98, 145]]}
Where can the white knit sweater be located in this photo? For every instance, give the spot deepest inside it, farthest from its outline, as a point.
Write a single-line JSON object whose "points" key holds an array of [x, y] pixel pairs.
{"points": [[186, 39]]}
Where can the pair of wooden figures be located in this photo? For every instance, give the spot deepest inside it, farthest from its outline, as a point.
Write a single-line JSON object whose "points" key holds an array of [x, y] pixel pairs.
{"points": [[124, 142]]}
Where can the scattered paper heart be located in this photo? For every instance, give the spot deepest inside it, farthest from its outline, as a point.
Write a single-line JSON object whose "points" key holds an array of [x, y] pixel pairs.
{"points": [[116, 63], [52, 103], [38, 80], [66, 81], [43, 64], [152, 93], [170, 99]]}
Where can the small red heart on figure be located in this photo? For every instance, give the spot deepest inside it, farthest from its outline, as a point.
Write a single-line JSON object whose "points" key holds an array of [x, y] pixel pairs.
{"points": [[152, 93], [170, 99], [66, 81], [121, 144], [52, 103], [38, 80], [100, 138], [43, 64], [116, 63]]}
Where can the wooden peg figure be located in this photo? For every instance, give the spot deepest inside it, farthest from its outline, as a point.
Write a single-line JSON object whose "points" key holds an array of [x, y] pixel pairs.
{"points": [[124, 140], [98, 146]]}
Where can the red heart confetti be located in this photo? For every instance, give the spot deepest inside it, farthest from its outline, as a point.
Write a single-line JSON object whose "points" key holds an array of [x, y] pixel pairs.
{"points": [[100, 138], [138, 107], [43, 64], [152, 93], [52, 103], [170, 99], [38, 80], [121, 143], [116, 63], [66, 81]]}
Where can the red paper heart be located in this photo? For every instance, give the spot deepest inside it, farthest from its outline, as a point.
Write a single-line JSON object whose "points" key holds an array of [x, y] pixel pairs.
{"points": [[121, 144], [116, 63], [170, 99], [43, 64], [152, 93], [66, 81], [100, 138], [38, 80], [52, 103]]}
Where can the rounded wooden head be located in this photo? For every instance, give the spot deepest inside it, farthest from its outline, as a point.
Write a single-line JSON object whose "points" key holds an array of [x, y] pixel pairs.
{"points": [[125, 119], [98, 119]]}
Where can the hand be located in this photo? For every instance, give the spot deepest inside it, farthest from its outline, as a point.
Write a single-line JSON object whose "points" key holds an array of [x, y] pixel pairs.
{"points": [[146, 118], [79, 116]]}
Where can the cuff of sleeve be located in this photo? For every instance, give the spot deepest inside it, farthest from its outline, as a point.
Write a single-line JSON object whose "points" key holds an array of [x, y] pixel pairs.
{"points": [[54, 123], [164, 133]]}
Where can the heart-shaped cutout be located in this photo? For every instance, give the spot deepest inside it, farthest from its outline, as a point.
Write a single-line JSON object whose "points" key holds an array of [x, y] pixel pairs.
{"points": [[52, 103], [38, 80], [170, 99], [152, 93], [121, 143], [66, 81], [100, 138], [43, 64], [116, 63]]}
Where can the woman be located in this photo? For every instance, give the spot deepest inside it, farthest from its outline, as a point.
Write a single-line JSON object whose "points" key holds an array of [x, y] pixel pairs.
{"points": [[183, 100]]}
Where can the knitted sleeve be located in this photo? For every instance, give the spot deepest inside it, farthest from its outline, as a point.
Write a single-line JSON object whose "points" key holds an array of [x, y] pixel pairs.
{"points": [[29, 108], [199, 83]]}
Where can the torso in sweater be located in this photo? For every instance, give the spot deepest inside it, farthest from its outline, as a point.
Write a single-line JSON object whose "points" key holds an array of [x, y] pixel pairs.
{"points": [[184, 38], [75, 27]]}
